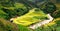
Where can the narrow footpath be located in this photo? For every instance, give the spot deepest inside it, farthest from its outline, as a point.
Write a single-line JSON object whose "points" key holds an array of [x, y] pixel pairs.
{"points": [[35, 26]]}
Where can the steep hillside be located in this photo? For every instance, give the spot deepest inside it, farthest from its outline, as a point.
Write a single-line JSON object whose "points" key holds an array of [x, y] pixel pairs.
{"points": [[7, 26], [33, 16], [29, 12]]}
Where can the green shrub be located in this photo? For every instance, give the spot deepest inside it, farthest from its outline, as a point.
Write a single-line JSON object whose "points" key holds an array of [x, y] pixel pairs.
{"points": [[3, 15], [7, 26], [56, 14], [23, 28], [48, 7]]}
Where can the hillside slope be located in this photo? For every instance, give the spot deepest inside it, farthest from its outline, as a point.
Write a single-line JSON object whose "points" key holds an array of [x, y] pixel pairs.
{"points": [[32, 16], [7, 26]]}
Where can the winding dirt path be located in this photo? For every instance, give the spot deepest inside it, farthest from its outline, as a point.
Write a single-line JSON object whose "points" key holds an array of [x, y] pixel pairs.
{"points": [[35, 26]]}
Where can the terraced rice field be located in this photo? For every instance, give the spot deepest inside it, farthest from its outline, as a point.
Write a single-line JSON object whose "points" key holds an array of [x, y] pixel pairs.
{"points": [[31, 17]]}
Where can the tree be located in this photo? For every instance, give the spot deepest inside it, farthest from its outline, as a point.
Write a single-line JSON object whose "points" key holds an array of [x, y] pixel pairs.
{"points": [[56, 14], [48, 7], [21, 8], [6, 3], [3, 15], [10, 12]]}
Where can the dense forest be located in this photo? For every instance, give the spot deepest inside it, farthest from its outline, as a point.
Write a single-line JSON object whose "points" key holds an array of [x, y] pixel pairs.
{"points": [[29, 12]]}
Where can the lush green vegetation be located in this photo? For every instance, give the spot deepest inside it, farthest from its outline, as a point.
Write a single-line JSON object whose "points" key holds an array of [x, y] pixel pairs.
{"points": [[7, 26], [33, 16], [28, 12]]}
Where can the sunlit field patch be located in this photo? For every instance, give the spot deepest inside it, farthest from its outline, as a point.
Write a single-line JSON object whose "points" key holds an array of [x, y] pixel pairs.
{"points": [[31, 17]]}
